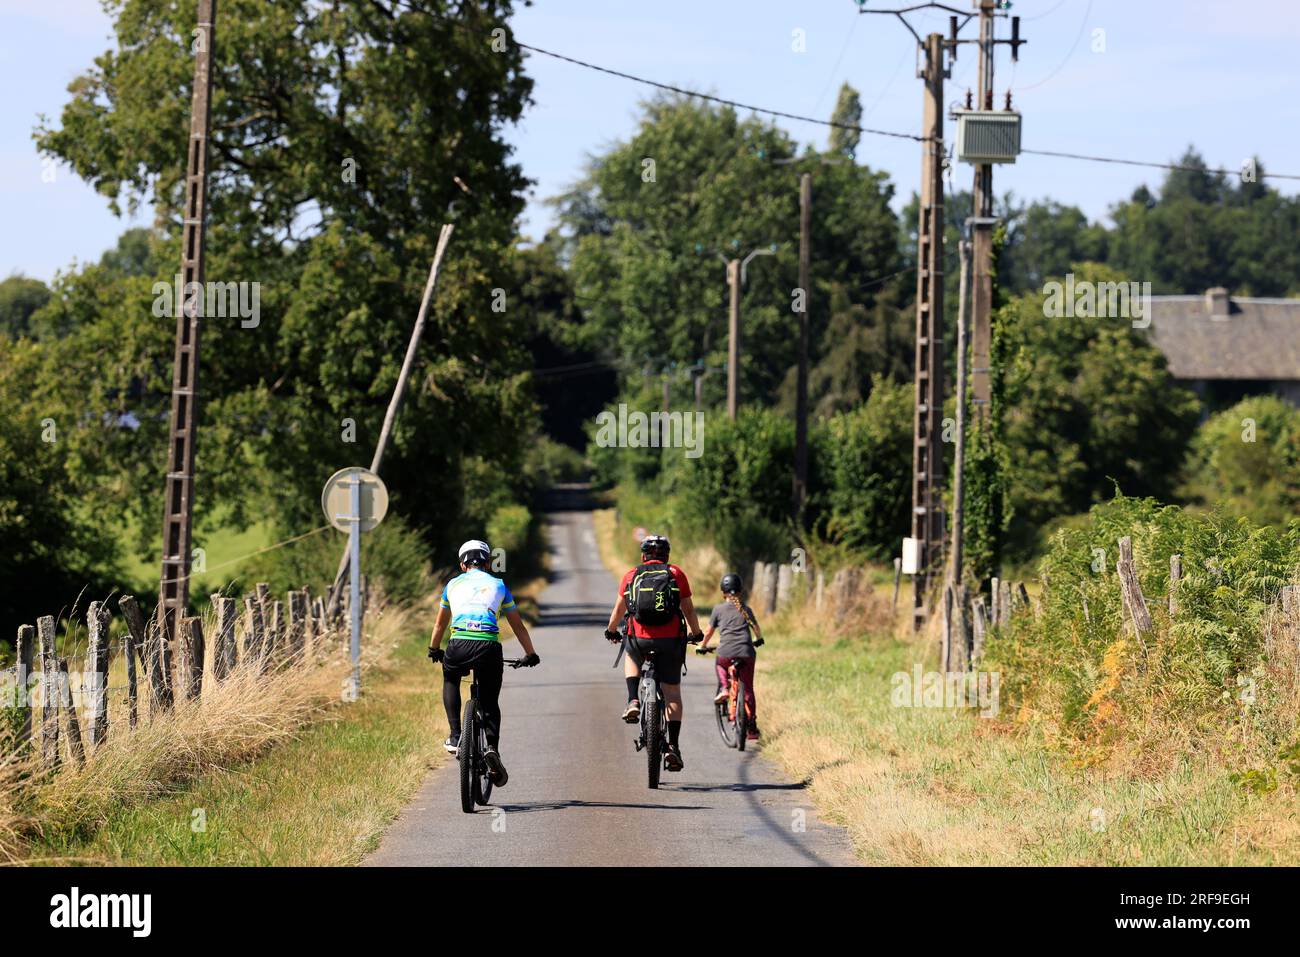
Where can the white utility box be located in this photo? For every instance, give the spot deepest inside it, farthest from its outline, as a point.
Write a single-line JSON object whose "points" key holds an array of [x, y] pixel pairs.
{"points": [[987, 136]]}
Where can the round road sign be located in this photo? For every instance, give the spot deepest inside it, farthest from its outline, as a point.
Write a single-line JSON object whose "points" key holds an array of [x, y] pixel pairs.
{"points": [[336, 498]]}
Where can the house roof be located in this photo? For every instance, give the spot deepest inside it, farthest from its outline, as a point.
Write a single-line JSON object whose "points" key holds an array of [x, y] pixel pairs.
{"points": [[1256, 339]]}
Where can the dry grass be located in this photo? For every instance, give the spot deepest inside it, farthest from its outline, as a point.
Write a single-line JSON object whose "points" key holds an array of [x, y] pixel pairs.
{"points": [[235, 720]]}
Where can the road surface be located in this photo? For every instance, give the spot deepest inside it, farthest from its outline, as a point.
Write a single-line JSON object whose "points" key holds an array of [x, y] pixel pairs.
{"points": [[577, 793]]}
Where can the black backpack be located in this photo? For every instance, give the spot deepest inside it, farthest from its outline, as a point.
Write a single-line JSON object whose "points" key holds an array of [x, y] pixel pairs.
{"points": [[653, 597]]}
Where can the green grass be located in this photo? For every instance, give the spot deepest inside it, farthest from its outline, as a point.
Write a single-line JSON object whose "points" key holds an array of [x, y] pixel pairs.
{"points": [[938, 786], [221, 546], [322, 798]]}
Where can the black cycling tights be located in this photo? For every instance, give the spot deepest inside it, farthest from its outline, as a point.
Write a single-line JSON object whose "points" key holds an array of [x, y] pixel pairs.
{"points": [[489, 691]]}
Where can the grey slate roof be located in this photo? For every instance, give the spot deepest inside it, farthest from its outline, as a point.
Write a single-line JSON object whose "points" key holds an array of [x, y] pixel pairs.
{"points": [[1258, 339]]}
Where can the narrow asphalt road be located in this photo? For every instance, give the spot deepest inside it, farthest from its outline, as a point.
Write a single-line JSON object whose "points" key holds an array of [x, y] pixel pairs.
{"points": [[577, 793]]}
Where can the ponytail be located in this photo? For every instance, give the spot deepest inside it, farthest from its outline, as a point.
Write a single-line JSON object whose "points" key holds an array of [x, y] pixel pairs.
{"points": [[740, 607]]}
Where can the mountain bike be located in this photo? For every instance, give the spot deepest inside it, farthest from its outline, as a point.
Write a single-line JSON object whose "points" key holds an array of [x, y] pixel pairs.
{"points": [[475, 784], [653, 737], [732, 713]]}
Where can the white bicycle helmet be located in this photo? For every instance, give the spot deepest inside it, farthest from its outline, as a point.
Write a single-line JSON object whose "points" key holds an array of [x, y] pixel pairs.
{"points": [[474, 552]]}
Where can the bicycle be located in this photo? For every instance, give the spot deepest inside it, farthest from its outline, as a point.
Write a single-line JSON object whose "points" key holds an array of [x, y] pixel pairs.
{"points": [[732, 713], [475, 784], [654, 719]]}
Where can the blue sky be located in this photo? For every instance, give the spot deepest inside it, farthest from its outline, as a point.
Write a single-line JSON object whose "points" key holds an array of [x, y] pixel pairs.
{"points": [[1219, 74]]}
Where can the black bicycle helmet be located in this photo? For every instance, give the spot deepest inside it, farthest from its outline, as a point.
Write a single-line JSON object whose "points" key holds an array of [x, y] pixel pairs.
{"points": [[655, 546], [731, 584]]}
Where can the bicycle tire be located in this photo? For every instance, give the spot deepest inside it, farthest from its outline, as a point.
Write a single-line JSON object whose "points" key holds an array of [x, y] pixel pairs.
{"points": [[742, 722], [724, 721], [468, 756], [654, 740], [482, 783]]}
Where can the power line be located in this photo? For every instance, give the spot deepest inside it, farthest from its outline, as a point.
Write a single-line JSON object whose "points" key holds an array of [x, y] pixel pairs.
{"points": [[1170, 166], [682, 91]]}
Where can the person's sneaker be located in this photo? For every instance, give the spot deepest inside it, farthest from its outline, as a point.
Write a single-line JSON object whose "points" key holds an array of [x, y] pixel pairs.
{"points": [[452, 744], [752, 734], [496, 770], [673, 759], [632, 714], [721, 696]]}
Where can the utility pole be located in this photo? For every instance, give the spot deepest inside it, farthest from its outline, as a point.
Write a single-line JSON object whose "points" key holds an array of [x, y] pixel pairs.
{"points": [[736, 272], [733, 336], [982, 237], [178, 518], [801, 381], [927, 451], [959, 452]]}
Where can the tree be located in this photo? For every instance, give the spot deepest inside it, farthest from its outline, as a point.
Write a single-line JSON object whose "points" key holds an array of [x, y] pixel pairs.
{"points": [[645, 225], [20, 297], [342, 136], [848, 113], [1089, 406]]}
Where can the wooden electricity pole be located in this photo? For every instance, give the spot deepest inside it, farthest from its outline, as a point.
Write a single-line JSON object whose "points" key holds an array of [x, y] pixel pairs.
{"points": [[982, 238], [733, 337], [178, 519], [927, 451], [801, 381]]}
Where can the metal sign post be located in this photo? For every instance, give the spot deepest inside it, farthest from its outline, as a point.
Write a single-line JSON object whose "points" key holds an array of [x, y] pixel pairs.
{"points": [[354, 549], [354, 500]]}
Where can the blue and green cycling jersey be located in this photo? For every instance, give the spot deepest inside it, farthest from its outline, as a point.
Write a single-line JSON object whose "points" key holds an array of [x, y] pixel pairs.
{"points": [[474, 600]]}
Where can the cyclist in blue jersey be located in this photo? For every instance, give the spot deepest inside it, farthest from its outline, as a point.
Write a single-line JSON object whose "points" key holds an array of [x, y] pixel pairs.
{"points": [[470, 604]]}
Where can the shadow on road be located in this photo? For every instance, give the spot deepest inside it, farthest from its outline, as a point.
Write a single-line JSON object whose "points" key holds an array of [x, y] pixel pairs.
{"points": [[561, 805], [744, 786]]}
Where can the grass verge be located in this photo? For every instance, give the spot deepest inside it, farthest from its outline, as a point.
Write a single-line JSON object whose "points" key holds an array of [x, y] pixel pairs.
{"points": [[943, 786]]}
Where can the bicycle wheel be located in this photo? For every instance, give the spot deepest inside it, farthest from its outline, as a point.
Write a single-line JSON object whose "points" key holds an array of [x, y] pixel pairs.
{"points": [[482, 783], [468, 757], [724, 720], [742, 719], [652, 715]]}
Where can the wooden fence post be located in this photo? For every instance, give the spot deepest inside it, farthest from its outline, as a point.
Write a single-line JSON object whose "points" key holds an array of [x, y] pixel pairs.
{"points": [[24, 647], [149, 645], [308, 624], [1022, 593], [275, 631], [132, 686], [297, 626], [961, 629], [819, 590], [784, 579], [49, 693], [898, 577], [1131, 591], [1004, 602], [224, 654], [97, 619], [946, 641], [255, 637], [995, 598], [979, 628], [75, 747], [1175, 579], [192, 672], [768, 594]]}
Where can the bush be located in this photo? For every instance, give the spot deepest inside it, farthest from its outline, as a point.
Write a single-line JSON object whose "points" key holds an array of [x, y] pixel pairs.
{"points": [[548, 462], [1247, 459], [1088, 670], [508, 529], [392, 555], [863, 467]]}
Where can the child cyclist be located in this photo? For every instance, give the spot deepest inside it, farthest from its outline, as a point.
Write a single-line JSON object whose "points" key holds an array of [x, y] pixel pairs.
{"points": [[738, 636]]}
